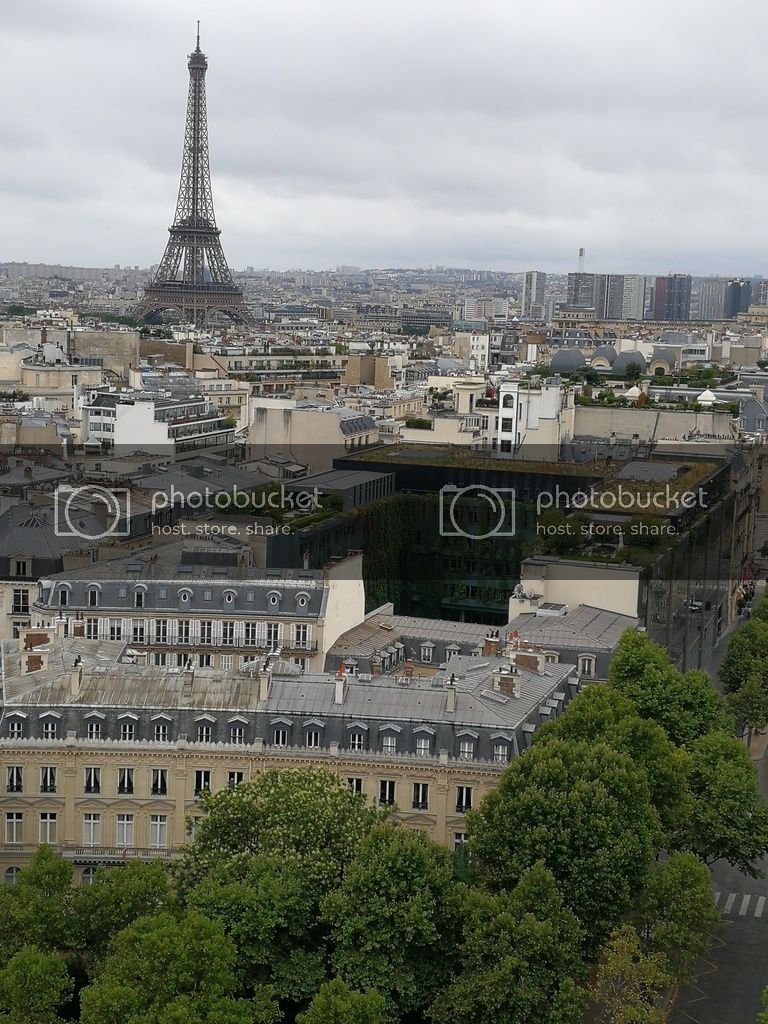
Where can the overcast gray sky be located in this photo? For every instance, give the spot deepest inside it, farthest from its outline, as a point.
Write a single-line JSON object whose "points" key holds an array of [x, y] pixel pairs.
{"points": [[486, 133]]}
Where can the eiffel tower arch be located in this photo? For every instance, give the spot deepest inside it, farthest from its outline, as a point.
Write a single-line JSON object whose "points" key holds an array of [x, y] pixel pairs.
{"points": [[193, 277]]}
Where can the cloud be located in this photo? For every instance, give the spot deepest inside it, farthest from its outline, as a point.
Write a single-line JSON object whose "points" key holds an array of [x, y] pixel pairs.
{"points": [[479, 134]]}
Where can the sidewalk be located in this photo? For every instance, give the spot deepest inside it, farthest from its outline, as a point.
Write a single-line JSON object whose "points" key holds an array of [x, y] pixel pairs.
{"points": [[759, 746]]}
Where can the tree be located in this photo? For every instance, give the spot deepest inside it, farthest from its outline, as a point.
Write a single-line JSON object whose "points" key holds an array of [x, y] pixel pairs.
{"points": [[603, 714], [685, 704], [584, 810], [39, 909], [633, 372], [749, 705], [336, 1003], [520, 959], [747, 646], [676, 912], [269, 907], [117, 897], [630, 981], [173, 971], [32, 986], [306, 815], [728, 818], [395, 917]]}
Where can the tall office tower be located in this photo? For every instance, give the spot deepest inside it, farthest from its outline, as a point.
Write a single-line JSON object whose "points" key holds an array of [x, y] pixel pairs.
{"points": [[581, 290], [738, 296], [614, 297], [761, 293], [532, 305], [672, 297], [193, 277], [712, 292], [633, 297]]}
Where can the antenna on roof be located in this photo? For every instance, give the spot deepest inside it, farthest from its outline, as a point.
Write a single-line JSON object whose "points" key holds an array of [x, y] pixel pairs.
{"points": [[198, 36]]}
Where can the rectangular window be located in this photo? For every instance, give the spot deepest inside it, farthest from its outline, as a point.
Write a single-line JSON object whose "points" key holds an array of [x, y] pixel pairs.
{"points": [[128, 730], [63, 597], [355, 784], [356, 741], [235, 778], [202, 781], [273, 634], [14, 780], [138, 599], [226, 662], [48, 780], [91, 829], [236, 734], [204, 732], [138, 632], [161, 732], [460, 840], [205, 660], [466, 749], [93, 599], [420, 796], [313, 738], [16, 730], [389, 744], [20, 602], [228, 633], [463, 799], [92, 783], [48, 827], [158, 831], [125, 781], [115, 629], [161, 631], [206, 631], [386, 792], [251, 634], [159, 785], [14, 821], [21, 569], [124, 831], [501, 752], [122, 592], [422, 746], [301, 636], [159, 658], [50, 729], [280, 737], [91, 629], [184, 631]]}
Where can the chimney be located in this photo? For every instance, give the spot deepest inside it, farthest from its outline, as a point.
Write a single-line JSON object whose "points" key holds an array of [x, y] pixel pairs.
{"points": [[265, 678], [507, 680], [340, 688], [60, 626], [491, 644], [532, 660], [450, 701], [78, 628], [75, 679]]}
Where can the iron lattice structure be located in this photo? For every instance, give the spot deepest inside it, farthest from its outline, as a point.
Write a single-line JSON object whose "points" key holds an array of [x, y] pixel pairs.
{"points": [[193, 276]]}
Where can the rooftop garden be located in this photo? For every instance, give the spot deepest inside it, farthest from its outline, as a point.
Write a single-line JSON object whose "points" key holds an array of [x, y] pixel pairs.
{"points": [[470, 458]]}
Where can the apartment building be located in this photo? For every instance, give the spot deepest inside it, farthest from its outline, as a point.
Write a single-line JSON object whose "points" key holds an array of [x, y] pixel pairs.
{"points": [[106, 761], [205, 604]]}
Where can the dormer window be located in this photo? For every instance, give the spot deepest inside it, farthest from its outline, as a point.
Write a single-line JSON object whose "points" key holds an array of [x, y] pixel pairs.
{"points": [[302, 600], [185, 596], [138, 599], [229, 596], [273, 598], [93, 597]]}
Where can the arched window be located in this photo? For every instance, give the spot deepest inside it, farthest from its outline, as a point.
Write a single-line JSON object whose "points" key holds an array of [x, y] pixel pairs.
{"points": [[509, 402], [586, 665], [88, 876], [11, 875]]}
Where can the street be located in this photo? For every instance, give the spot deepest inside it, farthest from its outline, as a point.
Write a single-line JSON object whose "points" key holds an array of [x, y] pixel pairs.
{"points": [[731, 976]]}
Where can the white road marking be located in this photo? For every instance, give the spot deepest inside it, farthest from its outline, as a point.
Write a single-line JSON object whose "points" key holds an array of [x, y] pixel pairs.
{"points": [[729, 902], [760, 905], [717, 898], [744, 904]]}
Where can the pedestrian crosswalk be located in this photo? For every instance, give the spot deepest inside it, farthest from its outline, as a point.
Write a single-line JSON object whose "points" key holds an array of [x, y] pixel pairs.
{"points": [[737, 904]]}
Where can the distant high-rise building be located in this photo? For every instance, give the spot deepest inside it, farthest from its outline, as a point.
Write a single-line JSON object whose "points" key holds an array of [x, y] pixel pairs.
{"points": [[672, 297], [633, 297], [581, 290], [712, 292], [532, 305], [738, 296]]}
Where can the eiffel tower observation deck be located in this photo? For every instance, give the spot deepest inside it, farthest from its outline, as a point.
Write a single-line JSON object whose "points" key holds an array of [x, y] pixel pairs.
{"points": [[193, 278]]}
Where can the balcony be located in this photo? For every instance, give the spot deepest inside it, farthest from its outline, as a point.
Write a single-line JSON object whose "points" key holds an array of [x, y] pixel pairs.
{"points": [[113, 854]]}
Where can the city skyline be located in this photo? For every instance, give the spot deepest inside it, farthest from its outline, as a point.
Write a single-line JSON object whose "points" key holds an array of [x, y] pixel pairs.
{"points": [[323, 156]]}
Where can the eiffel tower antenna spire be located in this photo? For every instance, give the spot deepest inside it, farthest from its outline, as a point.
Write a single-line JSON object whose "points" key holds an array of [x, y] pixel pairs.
{"points": [[193, 277]]}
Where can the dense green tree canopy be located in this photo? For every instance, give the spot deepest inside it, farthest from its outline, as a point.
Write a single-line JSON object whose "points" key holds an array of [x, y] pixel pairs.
{"points": [[584, 810], [33, 985], [337, 1003]]}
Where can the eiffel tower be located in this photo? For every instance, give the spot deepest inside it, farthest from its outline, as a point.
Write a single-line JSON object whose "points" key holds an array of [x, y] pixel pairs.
{"points": [[193, 277]]}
